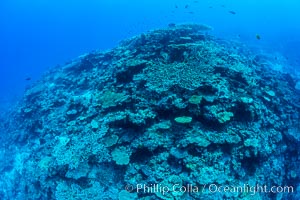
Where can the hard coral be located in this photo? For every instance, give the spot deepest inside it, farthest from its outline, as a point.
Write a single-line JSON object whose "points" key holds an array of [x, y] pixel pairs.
{"points": [[171, 106]]}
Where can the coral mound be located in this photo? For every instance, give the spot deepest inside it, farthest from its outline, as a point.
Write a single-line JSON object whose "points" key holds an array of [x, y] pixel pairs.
{"points": [[171, 106]]}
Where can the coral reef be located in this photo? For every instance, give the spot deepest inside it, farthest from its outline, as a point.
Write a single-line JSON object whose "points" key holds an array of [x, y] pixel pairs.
{"points": [[171, 106]]}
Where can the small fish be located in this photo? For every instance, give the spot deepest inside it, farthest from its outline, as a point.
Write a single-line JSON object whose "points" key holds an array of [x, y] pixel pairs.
{"points": [[210, 7], [257, 36], [232, 12], [191, 12], [186, 6], [27, 78], [176, 6], [172, 25]]}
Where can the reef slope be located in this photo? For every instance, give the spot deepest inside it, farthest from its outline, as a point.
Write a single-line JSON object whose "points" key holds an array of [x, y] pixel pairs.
{"points": [[171, 106]]}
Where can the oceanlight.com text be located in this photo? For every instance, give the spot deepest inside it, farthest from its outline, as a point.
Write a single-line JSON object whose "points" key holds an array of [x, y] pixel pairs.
{"points": [[210, 188]]}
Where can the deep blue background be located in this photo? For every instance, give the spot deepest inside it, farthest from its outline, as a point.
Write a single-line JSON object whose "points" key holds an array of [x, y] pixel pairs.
{"points": [[38, 34]]}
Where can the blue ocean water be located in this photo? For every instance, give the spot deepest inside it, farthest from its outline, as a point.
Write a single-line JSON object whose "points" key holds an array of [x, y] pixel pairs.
{"points": [[37, 35]]}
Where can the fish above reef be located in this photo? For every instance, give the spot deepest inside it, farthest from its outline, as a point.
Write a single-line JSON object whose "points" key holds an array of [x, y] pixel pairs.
{"points": [[28, 78], [232, 12], [171, 25], [257, 36]]}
